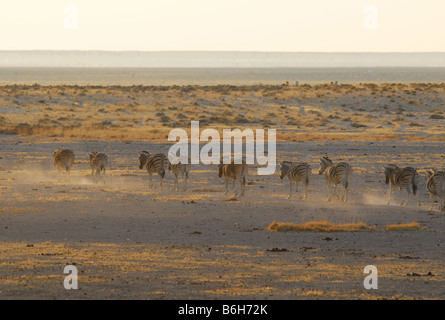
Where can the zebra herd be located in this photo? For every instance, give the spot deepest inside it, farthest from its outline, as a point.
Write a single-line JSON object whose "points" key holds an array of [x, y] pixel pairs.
{"points": [[406, 178]]}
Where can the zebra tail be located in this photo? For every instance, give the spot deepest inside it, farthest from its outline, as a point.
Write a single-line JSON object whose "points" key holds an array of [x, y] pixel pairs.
{"points": [[68, 164], [414, 182]]}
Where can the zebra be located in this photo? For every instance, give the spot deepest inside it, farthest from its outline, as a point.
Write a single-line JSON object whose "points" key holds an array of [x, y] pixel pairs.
{"points": [[296, 172], [63, 159], [402, 178], [154, 163], [234, 172], [182, 169], [436, 187], [98, 162], [335, 174]]}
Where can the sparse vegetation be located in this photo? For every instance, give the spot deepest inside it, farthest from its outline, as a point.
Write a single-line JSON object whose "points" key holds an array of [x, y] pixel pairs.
{"points": [[404, 226], [318, 226], [129, 113]]}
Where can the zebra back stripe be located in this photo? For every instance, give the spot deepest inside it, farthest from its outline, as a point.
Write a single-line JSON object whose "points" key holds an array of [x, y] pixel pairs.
{"points": [[63, 158], [339, 173], [436, 183], [157, 163], [299, 172]]}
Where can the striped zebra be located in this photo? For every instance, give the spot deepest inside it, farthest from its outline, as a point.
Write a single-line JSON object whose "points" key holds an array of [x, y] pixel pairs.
{"points": [[335, 174], [436, 187], [234, 172], [296, 172], [98, 162], [154, 163], [63, 160], [404, 178], [182, 169]]}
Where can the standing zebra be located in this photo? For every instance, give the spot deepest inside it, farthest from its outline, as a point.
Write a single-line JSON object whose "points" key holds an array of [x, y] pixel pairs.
{"points": [[296, 172], [402, 178], [63, 160], [98, 162], [335, 174], [436, 187], [182, 169], [234, 172], [154, 163]]}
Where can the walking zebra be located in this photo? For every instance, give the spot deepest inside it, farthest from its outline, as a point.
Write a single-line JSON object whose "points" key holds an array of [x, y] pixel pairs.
{"points": [[154, 163], [296, 172], [234, 172], [98, 162], [63, 160], [182, 169], [335, 174], [402, 178], [436, 187]]}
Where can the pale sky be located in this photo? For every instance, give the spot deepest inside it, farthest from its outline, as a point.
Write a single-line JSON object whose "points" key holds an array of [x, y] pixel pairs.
{"points": [[227, 25]]}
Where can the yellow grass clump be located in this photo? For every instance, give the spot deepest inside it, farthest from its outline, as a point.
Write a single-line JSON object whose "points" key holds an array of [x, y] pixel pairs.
{"points": [[318, 226], [404, 226]]}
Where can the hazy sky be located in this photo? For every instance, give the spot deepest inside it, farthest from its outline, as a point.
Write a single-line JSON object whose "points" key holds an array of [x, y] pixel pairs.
{"points": [[238, 25]]}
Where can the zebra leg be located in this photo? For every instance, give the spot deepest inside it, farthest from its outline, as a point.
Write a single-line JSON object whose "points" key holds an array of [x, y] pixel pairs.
{"points": [[417, 198], [185, 181], [345, 195], [150, 181], [305, 191], [408, 193], [227, 185], [432, 202], [301, 197], [330, 191], [290, 189], [69, 177], [175, 183], [104, 175], [243, 185], [391, 188], [335, 191]]}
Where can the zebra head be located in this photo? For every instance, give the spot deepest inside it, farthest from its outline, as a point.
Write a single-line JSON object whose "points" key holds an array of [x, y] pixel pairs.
{"points": [[325, 162], [143, 157], [92, 154], [57, 151], [389, 171], [284, 169]]}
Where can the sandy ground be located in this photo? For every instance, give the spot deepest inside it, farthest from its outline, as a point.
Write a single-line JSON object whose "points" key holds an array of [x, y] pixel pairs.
{"points": [[132, 242]]}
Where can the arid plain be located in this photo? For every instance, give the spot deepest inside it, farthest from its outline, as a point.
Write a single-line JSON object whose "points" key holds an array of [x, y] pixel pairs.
{"points": [[132, 242]]}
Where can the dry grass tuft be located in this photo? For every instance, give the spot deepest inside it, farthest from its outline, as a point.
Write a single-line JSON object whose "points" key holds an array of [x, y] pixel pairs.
{"points": [[405, 226], [318, 226]]}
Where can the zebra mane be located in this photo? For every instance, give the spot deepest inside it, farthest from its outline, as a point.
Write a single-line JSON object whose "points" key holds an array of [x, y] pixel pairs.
{"points": [[325, 158], [145, 153]]}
